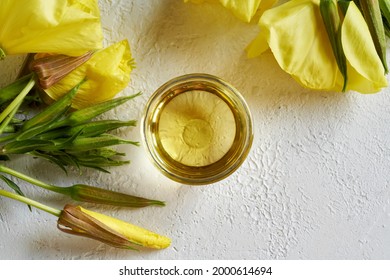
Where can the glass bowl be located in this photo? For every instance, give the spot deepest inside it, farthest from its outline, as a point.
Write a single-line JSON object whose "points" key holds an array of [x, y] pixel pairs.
{"points": [[197, 129]]}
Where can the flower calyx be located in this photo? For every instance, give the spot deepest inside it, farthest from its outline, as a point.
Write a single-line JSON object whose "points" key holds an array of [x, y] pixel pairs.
{"points": [[50, 69]]}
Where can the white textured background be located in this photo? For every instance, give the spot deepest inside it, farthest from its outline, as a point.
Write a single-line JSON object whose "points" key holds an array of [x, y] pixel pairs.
{"points": [[315, 185]]}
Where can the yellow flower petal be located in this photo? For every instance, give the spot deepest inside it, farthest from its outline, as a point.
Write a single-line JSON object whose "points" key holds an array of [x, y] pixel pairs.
{"points": [[265, 5], [107, 72], [368, 75], [195, 1], [257, 46], [134, 233], [297, 37], [244, 10], [61, 26], [298, 40]]}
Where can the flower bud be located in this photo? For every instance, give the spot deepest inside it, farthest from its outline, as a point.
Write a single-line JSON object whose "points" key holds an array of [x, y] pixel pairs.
{"points": [[50, 69], [331, 19], [97, 195], [385, 9], [117, 233], [372, 14]]}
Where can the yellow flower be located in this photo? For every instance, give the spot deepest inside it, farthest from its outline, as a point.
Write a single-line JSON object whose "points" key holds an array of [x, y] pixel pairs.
{"points": [[106, 73], [79, 221], [37, 26], [297, 37], [244, 10]]}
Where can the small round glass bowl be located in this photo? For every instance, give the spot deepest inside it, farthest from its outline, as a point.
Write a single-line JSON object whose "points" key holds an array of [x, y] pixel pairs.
{"points": [[197, 129]]}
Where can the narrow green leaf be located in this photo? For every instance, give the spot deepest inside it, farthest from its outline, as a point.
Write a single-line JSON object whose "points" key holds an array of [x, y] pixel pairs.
{"points": [[89, 143], [331, 19], [13, 186], [62, 143], [53, 110], [102, 152], [51, 158], [23, 147], [387, 29], [83, 115], [42, 126], [96, 128], [372, 15], [385, 9], [57, 133], [90, 129]]}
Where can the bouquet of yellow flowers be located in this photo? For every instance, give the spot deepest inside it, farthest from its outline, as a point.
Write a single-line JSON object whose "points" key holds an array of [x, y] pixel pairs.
{"points": [[333, 45], [74, 80]]}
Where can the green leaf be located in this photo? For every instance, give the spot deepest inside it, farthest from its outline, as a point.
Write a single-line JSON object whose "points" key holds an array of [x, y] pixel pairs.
{"points": [[385, 9], [25, 146], [9, 92], [84, 115], [52, 111], [90, 143], [13, 186], [41, 127], [373, 16], [331, 19], [90, 129], [62, 143], [97, 128], [51, 158]]}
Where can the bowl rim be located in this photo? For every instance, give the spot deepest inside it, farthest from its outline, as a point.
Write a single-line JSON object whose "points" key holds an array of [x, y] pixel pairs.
{"points": [[199, 175]]}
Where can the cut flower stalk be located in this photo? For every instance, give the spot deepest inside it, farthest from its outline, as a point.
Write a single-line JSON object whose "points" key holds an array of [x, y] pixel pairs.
{"points": [[80, 221], [80, 80], [85, 193], [11, 109], [12, 90], [59, 133], [84, 143]]}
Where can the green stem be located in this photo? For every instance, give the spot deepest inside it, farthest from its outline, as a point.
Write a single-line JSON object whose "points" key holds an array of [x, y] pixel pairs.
{"points": [[7, 138], [9, 129], [18, 100], [2, 54], [8, 119], [31, 202], [4, 169]]}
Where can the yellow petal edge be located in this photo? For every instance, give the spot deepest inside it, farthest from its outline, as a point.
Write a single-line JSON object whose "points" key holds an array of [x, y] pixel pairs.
{"points": [[245, 10], [296, 35], [41, 26], [134, 233]]}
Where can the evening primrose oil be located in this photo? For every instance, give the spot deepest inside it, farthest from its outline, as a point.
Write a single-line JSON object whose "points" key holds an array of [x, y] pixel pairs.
{"points": [[197, 129]]}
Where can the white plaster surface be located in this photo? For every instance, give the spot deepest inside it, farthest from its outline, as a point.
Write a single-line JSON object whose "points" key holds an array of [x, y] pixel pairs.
{"points": [[315, 184]]}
